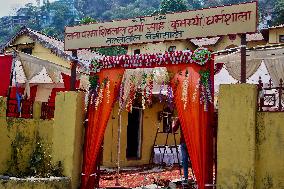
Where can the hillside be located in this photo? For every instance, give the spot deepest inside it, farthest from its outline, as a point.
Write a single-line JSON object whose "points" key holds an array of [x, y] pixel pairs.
{"points": [[50, 18]]}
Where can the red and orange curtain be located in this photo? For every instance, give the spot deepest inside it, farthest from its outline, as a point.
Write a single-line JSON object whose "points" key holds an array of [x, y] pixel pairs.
{"points": [[196, 121], [98, 116]]}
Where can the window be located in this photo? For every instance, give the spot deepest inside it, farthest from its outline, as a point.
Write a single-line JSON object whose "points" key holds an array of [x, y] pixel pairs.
{"points": [[27, 50], [172, 48], [137, 51], [281, 38]]}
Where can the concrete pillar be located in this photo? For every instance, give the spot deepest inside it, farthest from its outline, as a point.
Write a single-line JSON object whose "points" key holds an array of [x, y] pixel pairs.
{"points": [[236, 136], [68, 134], [37, 110]]}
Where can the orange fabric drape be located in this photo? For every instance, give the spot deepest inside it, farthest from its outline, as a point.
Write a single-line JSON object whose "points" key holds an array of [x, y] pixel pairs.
{"points": [[97, 122], [195, 122]]}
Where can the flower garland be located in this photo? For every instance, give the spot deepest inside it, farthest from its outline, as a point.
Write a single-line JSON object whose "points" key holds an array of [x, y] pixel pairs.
{"points": [[160, 94], [121, 94], [200, 56], [205, 88], [185, 89], [99, 98], [108, 90], [132, 94], [170, 96], [150, 86]]}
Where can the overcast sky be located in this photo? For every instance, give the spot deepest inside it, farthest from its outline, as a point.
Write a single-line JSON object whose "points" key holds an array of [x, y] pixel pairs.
{"points": [[8, 7]]}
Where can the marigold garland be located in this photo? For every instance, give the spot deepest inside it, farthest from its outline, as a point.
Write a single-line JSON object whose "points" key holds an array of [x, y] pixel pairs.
{"points": [[185, 89]]}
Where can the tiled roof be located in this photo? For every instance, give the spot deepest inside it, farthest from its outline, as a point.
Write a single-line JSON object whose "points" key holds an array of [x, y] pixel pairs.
{"points": [[278, 26], [214, 40], [56, 46], [205, 41], [255, 37]]}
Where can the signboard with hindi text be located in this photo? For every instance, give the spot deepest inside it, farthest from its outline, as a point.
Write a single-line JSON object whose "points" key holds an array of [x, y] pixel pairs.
{"points": [[216, 21]]}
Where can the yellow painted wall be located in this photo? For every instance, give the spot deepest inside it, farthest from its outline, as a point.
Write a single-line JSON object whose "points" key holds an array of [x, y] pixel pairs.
{"points": [[161, 47], [21, 133], [236, 136], [150, 124], [62, 138], [68, 134], [250, 143], [270, 150], [225, 42], [42, 52], [274, 34]]}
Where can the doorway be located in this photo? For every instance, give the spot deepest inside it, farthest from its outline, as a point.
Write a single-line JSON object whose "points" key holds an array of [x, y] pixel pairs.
{"points": [[134, 133]]}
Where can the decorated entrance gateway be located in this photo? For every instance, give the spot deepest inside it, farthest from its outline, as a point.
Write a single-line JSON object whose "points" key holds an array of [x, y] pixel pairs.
{"points": [[189, 82]]}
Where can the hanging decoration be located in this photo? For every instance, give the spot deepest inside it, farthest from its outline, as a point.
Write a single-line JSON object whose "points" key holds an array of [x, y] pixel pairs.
{"points": [[161, 94], [201, 56], [131, 94], [108, 90], [185, 89], [170, 96], [205, 88], [149, 60], [150, 88], [142, 80]]}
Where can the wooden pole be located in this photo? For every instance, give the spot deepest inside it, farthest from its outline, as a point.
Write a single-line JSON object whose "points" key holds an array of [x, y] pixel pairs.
{"points": [[243, 57], [73, 71], [118, 148]]}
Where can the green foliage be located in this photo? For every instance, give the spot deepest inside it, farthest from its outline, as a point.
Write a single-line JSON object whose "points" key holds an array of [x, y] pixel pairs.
{"points": [[87, 20], [16, 154], [94, 81], [39, 163], [172, 6], [51, 31], [111, 51], [194, 4], [279, 12]]}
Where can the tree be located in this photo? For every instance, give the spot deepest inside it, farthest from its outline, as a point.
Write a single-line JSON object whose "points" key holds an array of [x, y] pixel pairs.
{"points": [[168, 6], [279, 12], [194, 4], [226, 2], [212, 3], [51, 31], [87, 20]]}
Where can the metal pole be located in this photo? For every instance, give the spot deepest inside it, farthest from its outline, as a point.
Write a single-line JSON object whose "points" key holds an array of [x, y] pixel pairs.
{"points": [[243, 57], [73, 71]]}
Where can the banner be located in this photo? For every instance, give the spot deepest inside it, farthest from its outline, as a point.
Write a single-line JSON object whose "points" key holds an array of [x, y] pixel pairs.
{"points": [[5, 73], [217, 21]]}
